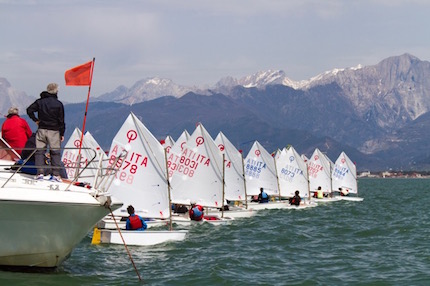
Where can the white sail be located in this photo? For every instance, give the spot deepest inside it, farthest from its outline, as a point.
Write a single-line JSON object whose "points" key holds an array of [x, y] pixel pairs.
{"points": [[183, 138], [260, 171], [292, 173], [168, 143], [305, 159], [276, 154], [87, 153], [234, 177], [195, 169], [141, 180], [344, 174], [319, 172]]}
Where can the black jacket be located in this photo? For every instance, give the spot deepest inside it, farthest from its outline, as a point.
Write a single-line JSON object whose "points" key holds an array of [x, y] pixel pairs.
{"points": [[50, 112]]}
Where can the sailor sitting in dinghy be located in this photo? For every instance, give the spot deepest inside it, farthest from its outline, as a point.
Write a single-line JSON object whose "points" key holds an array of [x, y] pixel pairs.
{"points": [[343, 192], [263, 197], [196, 212], [134, 222], [296, 199]]}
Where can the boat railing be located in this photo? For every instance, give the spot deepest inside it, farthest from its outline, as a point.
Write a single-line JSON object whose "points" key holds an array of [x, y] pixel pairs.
{"points": [[104, 170]]}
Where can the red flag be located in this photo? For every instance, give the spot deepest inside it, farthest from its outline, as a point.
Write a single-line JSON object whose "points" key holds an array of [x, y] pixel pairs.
{"points": [[80, 75]]}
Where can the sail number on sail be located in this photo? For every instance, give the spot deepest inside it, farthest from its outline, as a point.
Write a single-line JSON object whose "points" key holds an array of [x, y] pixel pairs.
{"points": [[253, 168], [313, 169], [288, 172], [70, 161], [187, 163], [129, 165]]}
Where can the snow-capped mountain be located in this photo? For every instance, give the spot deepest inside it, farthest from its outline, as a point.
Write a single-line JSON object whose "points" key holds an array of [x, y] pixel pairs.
{"points": [[146, 89]]}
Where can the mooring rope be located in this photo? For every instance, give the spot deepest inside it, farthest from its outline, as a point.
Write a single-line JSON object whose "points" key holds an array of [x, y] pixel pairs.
{"points": [[125, 245]]}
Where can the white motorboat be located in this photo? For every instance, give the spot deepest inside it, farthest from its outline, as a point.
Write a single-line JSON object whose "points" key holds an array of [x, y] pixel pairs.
{"points": [[41, 220]]}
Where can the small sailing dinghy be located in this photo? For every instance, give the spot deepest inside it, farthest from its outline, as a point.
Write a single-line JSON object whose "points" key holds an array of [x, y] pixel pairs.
{"points": [[293, 176], [196, 172], [260, 172], [234, 179], [319, 172], [78, 155], [344, 179], [141, 182]]}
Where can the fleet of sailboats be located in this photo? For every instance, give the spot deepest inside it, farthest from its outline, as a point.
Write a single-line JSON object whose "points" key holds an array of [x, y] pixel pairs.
{"points": [[154, 175]]}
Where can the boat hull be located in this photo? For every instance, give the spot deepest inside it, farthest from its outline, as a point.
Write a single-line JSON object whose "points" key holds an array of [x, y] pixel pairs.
{"points": [[268, 206], [141, 238], [352, 199], [40, 228], [239, 213], [325, 200]]}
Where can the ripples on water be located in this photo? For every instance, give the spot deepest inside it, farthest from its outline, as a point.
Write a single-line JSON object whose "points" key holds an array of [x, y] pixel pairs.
{"points": [[380, 241]]}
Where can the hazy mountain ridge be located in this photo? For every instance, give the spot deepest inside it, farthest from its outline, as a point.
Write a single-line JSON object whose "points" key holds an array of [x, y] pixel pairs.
{"points": [[377, 114]]}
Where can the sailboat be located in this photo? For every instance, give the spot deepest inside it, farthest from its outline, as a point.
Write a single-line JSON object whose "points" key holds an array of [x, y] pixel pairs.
{"points": [[293, 176], [234, 179], [168, 143], [344, 178], [260, 172], [141, 182], [42, 221], [89, 156], [196, 172], [319, 172]]}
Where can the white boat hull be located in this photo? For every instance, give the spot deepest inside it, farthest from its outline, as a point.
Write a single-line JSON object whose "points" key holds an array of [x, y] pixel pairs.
{"points": [[268, 206], [239, 213], [349, 198], [304, 205], [141, 238], [41, 227], [325, 200]]}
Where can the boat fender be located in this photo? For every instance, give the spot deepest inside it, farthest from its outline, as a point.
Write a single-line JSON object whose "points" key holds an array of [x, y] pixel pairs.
{"points": [[96, 236]]}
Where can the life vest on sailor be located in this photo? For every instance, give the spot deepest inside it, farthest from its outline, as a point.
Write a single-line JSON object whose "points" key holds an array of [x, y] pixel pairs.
{"points": [[196, 213], [320, 194], [135, 222], [264, 197]]}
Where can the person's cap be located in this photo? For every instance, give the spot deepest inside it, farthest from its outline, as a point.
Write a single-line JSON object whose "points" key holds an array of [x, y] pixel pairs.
{"points": [[52, 88], [12, 110]]}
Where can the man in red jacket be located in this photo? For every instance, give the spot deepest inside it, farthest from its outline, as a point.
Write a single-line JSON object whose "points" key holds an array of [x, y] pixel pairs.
{"points": [[15, 130]]}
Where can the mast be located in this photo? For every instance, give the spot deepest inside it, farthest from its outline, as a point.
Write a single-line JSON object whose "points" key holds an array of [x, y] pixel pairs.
{"points": [[277, 177], [244, 180], [168, 190], [223, 184]]}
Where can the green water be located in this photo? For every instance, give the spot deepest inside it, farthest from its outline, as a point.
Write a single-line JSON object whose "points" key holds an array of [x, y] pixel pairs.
{"points": [[380, 241]]}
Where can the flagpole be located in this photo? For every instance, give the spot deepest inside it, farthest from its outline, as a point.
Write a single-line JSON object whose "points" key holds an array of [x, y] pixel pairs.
{"points": [[86, 106], [85, 116]]}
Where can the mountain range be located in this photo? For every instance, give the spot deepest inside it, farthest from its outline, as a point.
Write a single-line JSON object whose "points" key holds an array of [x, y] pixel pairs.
{"points": [[379, 114]]}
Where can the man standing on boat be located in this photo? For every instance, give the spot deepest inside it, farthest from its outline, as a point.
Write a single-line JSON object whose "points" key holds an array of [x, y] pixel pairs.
{"points": [[51, 127], [134, 222]]}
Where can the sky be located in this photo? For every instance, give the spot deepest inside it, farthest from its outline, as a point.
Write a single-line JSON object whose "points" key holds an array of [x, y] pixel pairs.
{"points": [[198, 42]]}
